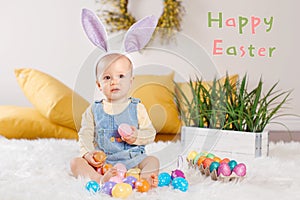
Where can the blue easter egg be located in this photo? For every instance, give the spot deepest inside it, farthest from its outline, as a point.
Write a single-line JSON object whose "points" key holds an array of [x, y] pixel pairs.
{"points": [[232, 164], [180, 184], [164, 179], [214, 166], [92, 186]]}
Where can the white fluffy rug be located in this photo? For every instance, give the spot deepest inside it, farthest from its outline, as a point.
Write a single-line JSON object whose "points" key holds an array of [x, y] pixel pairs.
{"points": [[39, 169]]}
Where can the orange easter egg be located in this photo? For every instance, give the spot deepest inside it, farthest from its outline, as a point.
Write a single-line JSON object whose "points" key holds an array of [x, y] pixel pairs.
{"points": [[206, 162], [100, 156], [225, 160], [200, 160], [217, 159], [142, 185], [105, 168]]}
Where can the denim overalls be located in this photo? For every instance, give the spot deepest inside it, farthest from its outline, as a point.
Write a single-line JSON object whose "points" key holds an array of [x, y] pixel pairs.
{"points": [[108, 139]]}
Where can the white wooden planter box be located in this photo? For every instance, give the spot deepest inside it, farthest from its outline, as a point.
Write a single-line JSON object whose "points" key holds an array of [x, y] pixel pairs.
{"points": [[224, 143]]}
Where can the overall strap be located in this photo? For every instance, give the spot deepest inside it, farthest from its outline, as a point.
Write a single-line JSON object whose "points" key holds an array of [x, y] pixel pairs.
{"points": [[135, 100]]}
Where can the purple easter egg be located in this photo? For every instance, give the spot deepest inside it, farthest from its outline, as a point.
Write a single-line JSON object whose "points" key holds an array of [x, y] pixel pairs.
{"points": [[177, 173], [130, 180], [107, 187], [224, 169], [240, 169]]}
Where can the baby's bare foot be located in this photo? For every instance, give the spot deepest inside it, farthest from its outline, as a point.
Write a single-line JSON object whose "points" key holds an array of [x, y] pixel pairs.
{"points": [[154, 180], [110, 173]]}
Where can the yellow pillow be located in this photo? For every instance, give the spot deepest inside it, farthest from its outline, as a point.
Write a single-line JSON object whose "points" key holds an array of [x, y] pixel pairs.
{"points": [[28, 123], [52, 98], [156, 93]]}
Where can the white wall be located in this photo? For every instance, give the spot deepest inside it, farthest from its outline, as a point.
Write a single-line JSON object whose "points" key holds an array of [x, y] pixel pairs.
{"points": [[47, 35]]}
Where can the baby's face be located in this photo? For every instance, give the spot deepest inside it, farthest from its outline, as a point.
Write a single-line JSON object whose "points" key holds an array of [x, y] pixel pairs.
{"points": [[116, 80]]}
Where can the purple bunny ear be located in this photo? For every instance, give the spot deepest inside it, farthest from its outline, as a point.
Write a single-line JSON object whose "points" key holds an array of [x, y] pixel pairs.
{"points": [[94, 29], [139, 34]]}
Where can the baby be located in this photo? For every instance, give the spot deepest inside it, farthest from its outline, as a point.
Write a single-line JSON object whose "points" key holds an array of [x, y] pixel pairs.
{"points": [[100, 122]]}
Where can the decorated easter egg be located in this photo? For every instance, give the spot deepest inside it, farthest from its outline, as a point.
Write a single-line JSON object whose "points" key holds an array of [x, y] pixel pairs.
{"points": [[177, 173], [200, 160], [164, 179], [214, 166], [142, 185], [107, 187], [206, 162], [191, 155], [121, 190], [92, 186], [99, 156], [232, 164], [135, 172], [210, 155], [105, 168], [217, 159], [116, 179], [180, 184], [121, 169], [130, 180], [125, 130], [197, 158], [225, 160], [240, 169], [224, 169]]}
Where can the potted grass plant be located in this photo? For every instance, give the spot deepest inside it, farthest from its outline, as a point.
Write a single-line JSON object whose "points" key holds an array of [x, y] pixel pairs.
{"points": [[226, 116]]}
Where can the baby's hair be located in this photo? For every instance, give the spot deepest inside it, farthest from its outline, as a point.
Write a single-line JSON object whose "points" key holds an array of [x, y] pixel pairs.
{"points": [[106, 61]]}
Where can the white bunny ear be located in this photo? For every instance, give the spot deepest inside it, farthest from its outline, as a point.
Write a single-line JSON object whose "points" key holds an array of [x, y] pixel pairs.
{"points": [[139, 34], [94, 29]]}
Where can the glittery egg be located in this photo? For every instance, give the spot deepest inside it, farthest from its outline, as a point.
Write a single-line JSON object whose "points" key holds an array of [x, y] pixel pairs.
{"points": [[210, 155], [164, 179], [214, 166], [180, 183], [206, 163], [200, 160], [217, 159], [199, 155], [225, 160], [191, 155], [232, 164], [240, 169], [177, 173], [224, 169]]}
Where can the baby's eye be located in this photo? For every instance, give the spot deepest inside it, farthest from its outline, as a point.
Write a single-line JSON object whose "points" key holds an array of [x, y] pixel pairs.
{"points": [[106, 78], [122, 76]]}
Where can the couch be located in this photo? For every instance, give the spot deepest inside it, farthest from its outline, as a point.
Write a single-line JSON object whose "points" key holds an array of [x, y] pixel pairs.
{"points": [[56, 109]]}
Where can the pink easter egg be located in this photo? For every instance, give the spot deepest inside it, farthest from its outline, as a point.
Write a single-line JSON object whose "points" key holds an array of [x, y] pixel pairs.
{"points": [[240, 169], [116, 179], [224, 169], [121, 169], [124, 130], [177, 173]]}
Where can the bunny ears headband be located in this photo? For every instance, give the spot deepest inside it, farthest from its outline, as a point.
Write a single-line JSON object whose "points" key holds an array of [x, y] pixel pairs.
{"points": [[136, 38]]}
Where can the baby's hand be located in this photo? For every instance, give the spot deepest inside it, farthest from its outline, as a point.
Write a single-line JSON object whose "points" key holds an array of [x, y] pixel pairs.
{"points": [[90, 158], [132, 138]]}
